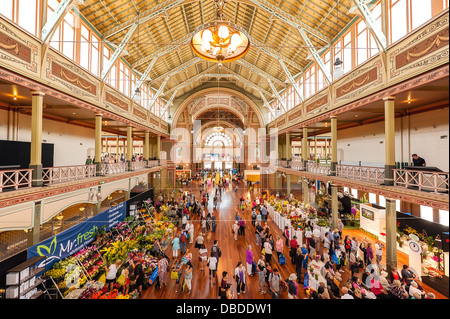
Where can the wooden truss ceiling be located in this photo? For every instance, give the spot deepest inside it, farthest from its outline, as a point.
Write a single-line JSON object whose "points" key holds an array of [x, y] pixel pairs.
{"points": [[322, 17]]}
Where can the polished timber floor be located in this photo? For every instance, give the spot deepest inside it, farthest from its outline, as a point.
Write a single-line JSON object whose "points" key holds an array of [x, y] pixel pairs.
{"points": [[235, 251]]}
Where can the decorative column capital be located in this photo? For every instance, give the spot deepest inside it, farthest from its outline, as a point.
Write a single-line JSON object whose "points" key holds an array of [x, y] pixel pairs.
{"points": [[389, 98], [37, 93]]}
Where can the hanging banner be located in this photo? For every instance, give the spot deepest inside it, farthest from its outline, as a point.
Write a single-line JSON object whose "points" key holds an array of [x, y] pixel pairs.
{"points": [[72, 240]]}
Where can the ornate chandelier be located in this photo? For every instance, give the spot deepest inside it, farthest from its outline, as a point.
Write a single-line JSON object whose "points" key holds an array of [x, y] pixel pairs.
{"points": [[220, 40]]}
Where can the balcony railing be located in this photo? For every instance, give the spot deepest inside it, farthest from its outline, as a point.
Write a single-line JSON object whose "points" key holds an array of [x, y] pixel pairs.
{"points": [[153, 163], [297, 164], [135, 166], [361, 173], [15, 179], [114, 168], [52, 175], [318, 168], [436, 182]]}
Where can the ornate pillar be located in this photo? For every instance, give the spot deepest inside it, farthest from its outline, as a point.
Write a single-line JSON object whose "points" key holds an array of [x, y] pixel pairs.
{"points": [[389, 130], [334, 207], [98, 143], [391, 234], [333, 145], [305, 147], [147, 146], [37, 105], [129, 145]]}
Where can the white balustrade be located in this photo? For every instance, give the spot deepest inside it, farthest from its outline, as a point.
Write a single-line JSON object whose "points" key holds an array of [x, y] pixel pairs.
{"points": [[436, 182], [318, 168], [114, 168], [14, 179], [52, 175], [135, 166], [361, 173]]}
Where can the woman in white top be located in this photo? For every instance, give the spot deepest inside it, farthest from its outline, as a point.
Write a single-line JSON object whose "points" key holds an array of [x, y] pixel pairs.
{"points": [[212, 265], [112, 273], [203, 256], [308, 235], [239, 275]]}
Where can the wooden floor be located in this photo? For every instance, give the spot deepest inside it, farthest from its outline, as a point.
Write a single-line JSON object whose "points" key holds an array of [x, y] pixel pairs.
{"points": [[235, 251]]}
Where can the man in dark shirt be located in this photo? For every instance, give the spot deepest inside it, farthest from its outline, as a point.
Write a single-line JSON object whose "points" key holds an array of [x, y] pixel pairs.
{"points": [[418, 161]]}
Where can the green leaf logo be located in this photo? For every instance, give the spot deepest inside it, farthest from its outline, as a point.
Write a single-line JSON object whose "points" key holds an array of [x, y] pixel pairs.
{"points": [[50, 250]]}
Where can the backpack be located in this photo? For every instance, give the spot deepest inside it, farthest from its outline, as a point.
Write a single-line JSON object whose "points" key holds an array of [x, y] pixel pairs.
{"points": [[183, 238]]}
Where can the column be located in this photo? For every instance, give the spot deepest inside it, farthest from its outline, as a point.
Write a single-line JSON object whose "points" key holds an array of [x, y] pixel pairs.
{"points": [[315, 148], [158, 147], [37, 105], [391, 234], [305, 147], [147, 146], [389, 130], [129, 146], [305, 191], [334, 207], [333, 145], [288, 149], [98, 143], [288, 184], [35, 233], [117, 149]]}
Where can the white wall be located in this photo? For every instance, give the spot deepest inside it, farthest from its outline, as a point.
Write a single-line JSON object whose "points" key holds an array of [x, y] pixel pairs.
{"points": [[422, 135], [72, 143]]}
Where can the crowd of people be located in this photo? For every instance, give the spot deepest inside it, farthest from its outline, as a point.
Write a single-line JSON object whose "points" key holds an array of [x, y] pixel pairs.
{"points": [[352, 269]]}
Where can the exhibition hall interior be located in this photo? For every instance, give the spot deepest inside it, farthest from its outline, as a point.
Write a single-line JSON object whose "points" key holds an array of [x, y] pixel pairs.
{"points": [[224, 149]]}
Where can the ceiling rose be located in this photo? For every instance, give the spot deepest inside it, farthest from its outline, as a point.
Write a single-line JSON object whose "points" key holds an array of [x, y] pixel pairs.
{"points": [[219, 40]]}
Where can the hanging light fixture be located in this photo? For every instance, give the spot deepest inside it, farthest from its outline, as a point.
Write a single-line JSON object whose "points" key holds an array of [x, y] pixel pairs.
{"points": [[220, 40], [137, 95], [338, 70]]}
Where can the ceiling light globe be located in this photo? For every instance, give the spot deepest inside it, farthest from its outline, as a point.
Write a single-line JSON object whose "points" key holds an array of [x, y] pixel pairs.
{"points": [[207, 36], [236, 40], [223, 32]]}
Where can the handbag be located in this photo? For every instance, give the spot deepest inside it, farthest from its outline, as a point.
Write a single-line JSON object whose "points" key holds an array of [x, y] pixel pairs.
{"points": [[174, 275], [263, 251]]}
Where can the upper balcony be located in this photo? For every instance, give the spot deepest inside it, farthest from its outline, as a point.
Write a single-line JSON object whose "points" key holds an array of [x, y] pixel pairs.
{"points": [[415, 179], [21, 178]]}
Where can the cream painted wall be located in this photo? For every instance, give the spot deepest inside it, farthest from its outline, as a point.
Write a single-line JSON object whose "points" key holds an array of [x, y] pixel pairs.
{"points": [[426, 134], [72, 143]]}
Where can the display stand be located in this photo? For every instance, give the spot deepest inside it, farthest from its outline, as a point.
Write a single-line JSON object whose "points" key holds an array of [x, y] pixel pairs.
{"points": [[373, 219], [317, 271], [22, 280]]}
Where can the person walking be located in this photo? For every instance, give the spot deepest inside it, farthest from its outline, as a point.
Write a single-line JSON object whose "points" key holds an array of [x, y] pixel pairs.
{"points": [[138, 276], [299, 263], [215, 251], [176, 273], [292, 287], [203, 256], [212, 265], [235, 229], [249, 260], [312, 246], [279, 245], [190, 229], [163, 265], [258, 231], [253, 217], [378, 252], [274, 283], [183, 239], [242, 227], [268, 250], [293, 248], [239, 275], [188, 277], [175, 246], [261, 278], [369, 253]]}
